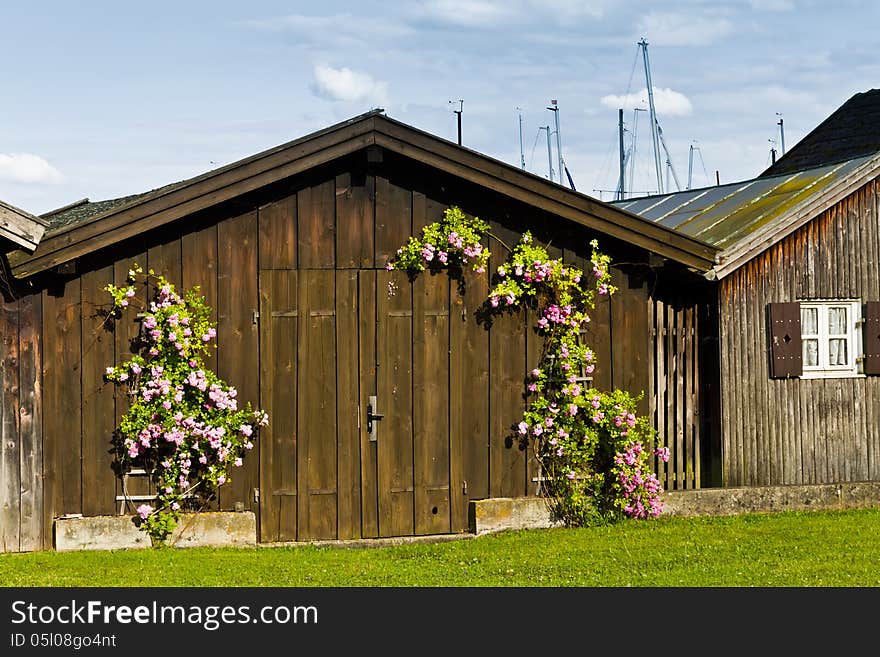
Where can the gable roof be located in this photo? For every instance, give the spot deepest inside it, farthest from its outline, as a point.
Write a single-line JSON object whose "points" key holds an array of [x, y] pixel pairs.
{"points": [[851, 131], [22, 228], [743, 219], [87, 227]]}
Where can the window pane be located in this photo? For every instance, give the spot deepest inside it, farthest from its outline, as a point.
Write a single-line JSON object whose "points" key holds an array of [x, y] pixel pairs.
{"points": [[811, 353], [809, 321], [837, 352], [837, 321]]}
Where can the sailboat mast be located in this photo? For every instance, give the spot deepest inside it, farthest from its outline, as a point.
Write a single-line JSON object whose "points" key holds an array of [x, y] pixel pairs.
{"points": [[621, 193], [655, 137]]}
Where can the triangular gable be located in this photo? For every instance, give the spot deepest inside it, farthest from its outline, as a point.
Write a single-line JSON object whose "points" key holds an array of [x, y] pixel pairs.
{"points": [[172, 202]]}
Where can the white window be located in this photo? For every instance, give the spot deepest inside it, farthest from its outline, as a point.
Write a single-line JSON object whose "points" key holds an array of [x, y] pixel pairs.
{"points": [[830, 338]]}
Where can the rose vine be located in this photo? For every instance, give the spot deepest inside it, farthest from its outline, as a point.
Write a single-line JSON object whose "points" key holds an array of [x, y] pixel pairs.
{"points": [[594, 449], [184, 424]]}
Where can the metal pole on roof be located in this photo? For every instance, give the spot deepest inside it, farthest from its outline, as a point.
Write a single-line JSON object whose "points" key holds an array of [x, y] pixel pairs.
{"points": [[522, 158], [549, 150], [555, 110], [621, 190], [690, 166], [781, 134], [458, 115], [658, 166]]}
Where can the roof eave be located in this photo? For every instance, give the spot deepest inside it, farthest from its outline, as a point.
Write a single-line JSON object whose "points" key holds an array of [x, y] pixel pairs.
{"points": [[736, 255], [20, 227]]}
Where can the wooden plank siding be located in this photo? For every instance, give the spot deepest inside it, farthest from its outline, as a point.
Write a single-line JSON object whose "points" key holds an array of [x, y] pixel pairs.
{"points": [[310, 325], [800, 431]]}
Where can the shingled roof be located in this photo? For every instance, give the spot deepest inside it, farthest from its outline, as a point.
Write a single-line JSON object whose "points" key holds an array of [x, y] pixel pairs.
{"points": [[852, 131]]}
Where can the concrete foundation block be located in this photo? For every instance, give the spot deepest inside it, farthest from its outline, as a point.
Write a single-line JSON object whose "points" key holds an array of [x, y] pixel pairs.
{"points": [[212, 529], [771, 499], [505, 513]]}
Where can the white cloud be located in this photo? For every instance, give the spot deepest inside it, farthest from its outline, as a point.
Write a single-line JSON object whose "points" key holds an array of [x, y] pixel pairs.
{"points": [[27, 168], [670, 29], [667, 101], [353, 86]]}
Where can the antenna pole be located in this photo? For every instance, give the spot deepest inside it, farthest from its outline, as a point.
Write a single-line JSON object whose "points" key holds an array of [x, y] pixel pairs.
{"points": [[549, 151], [458, 116], [654, 134], [522, 158], [690, 166], [621, 189], [781, 133], [555, 110]]}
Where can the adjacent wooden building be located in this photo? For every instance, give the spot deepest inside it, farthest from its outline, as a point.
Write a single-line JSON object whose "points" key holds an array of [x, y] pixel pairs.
{"points": [[289, 248]]}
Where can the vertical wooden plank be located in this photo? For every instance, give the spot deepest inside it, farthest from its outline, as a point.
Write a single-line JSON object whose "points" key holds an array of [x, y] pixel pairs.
{"points": [[238, 338], [468, 398], [348, 395], [534, 348], [199, 269], [98, 408], [354, 216], [125, 334], [507, 348], [277, 228], [671, 375], [599, 338], [395, 400], [62, 393], [680, 369], [316, 407], [393, 219], [662, 381], [30, 431], [431, 403], [698, 400], [316, 226], [165, 260], [367, 320], [629, 330], [10, 443], [689, 397], [279, 320]]}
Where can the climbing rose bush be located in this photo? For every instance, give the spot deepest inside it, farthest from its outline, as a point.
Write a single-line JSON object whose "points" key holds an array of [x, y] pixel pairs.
{"points": [[596, 453], [452, 242], [184, 424]]}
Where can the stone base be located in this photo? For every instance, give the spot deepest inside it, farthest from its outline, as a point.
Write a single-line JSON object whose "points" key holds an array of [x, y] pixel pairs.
{"points": [[211, 529], [771, 499], [503, 513]]}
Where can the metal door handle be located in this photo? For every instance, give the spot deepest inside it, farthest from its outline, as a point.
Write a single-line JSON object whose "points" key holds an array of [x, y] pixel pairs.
{"points": [[372, 414]]}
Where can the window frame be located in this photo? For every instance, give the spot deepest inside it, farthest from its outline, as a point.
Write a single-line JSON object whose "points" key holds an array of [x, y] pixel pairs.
{"points": [[853, 337]]}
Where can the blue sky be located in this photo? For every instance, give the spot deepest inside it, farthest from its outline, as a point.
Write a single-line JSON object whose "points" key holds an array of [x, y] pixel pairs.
{"points": [[103, 99]]}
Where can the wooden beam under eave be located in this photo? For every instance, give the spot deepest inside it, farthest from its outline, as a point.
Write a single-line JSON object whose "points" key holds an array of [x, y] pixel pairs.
{"points": [[20, 228]]}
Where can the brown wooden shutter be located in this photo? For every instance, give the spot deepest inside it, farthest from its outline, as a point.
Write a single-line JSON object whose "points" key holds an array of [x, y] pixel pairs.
{"points": [[872, 338], [786, 358]]}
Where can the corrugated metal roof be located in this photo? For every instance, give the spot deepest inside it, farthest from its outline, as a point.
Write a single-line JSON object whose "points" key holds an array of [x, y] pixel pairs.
{"points": [[725, 214]]}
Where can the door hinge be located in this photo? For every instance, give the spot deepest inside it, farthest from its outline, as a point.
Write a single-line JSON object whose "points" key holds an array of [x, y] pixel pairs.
{"points": [[256, 316], [256, 495]]}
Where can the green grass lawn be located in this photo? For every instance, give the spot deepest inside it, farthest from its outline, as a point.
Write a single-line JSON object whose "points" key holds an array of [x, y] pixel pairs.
{"points": [[812, 549]]}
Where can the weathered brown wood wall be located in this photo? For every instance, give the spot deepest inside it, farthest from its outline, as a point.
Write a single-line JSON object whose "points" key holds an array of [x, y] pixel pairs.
{"points": [[800, 431], [309, 326]]}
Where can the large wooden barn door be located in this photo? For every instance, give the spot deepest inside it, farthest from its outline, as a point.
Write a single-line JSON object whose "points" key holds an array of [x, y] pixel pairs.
{"points": [[411, 440], [335, 347]]}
